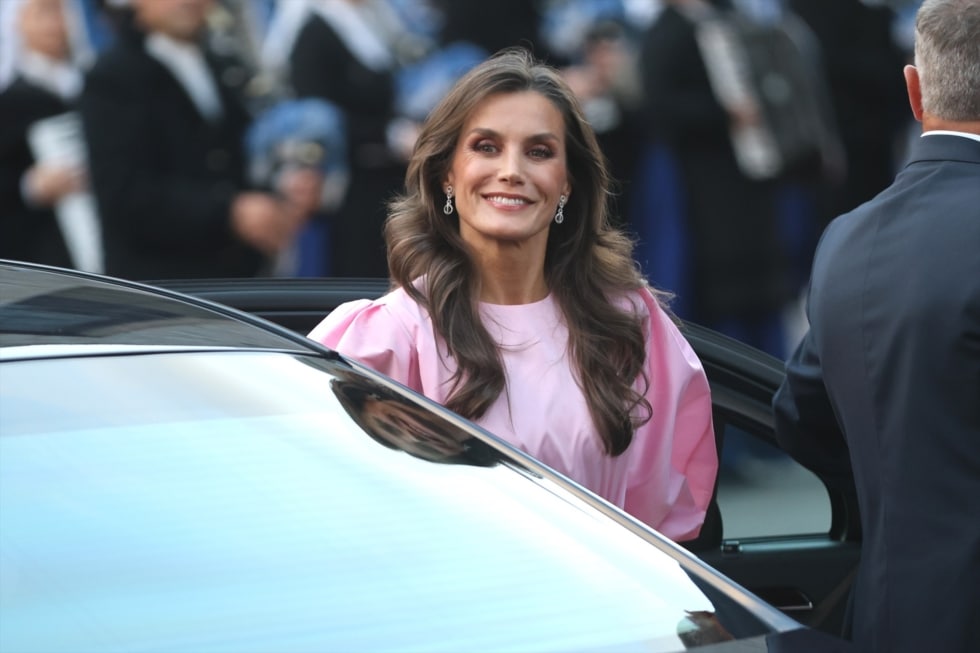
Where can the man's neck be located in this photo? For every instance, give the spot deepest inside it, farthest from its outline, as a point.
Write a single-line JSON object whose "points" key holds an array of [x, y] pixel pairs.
{"points": [[932, 123]]}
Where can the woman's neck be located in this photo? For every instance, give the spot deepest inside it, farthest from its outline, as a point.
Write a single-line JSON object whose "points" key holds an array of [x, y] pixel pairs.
{"points": [[511, 282]]}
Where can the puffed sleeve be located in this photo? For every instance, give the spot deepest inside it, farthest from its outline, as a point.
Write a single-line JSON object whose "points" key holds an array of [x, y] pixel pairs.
{"points": [[674, 461], [374, 334]]}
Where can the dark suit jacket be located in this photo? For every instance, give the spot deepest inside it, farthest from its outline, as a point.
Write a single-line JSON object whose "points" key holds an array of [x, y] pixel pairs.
{"points": [[893, 357], [163, 176], [27, 233]]}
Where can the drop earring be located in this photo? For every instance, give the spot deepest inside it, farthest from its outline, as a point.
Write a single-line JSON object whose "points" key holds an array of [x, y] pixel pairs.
{"points": [[560, 214], [448, 208]]}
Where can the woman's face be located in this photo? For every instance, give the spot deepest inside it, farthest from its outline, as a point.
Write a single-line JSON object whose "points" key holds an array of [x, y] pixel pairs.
{"points": [[42, 28], [509, 171]]}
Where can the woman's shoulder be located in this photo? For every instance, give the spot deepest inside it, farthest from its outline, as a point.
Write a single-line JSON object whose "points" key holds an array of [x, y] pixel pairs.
{"points": [[662, 327], [644, 301], [399, 300], [391, 310]]}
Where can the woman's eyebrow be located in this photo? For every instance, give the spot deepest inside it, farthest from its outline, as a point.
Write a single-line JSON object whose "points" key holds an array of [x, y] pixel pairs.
{"points": [[492, 133]]}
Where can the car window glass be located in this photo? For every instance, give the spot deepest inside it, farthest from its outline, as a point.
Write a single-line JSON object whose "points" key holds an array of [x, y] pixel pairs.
{"points": [[44, 307], [763, 492]]}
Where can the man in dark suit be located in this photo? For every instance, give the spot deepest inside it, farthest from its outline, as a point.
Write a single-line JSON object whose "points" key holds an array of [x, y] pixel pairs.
{"points": [[887, 381], [164, 119]]}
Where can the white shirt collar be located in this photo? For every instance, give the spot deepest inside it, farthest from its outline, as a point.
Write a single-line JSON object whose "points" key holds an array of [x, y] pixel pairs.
{"points": [[359, 29], [61, 78], [186, 62], [947, 132]]}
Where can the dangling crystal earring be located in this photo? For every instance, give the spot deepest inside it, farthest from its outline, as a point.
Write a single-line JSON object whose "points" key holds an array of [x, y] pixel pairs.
{"points": [[560, 215], [448, 208]]}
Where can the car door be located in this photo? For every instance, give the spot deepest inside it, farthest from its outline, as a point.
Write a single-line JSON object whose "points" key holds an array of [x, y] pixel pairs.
{"points": [[784, 533], [775, 528]]}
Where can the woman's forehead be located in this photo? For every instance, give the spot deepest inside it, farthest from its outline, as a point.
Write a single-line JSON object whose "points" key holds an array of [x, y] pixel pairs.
{"points": [[517, 111]]}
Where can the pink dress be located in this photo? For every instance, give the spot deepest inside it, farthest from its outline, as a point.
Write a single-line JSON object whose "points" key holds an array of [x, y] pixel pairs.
{"points": [[666, 476]]}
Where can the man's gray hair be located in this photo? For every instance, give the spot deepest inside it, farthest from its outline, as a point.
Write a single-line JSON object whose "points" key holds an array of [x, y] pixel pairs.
{"points": [[947, 56]]}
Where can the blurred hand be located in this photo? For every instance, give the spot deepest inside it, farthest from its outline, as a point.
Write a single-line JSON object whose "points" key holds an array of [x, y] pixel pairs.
{"points": [[47, 184], [264, 222]]}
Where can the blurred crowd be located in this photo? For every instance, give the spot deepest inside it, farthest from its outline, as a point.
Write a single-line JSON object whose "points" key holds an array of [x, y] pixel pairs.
{"points": [[154, 139]]}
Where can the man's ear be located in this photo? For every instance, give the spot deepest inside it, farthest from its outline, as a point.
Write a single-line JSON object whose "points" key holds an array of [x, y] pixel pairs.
{"points": [[914, 90]]}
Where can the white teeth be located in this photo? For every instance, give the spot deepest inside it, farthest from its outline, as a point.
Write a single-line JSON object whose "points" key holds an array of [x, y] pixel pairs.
{"points": [[512, 201]]}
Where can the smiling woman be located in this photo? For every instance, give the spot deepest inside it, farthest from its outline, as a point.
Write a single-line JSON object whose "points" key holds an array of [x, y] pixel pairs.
{"points": [[508, 177], [518, 305]]}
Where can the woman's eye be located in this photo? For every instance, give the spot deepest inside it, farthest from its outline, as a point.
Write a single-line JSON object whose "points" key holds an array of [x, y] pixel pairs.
{"points": [[485, 146], [541, 153]]}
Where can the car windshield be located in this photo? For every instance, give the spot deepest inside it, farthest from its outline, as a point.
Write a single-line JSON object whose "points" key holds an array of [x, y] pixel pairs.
{"points": [[232, 501]]}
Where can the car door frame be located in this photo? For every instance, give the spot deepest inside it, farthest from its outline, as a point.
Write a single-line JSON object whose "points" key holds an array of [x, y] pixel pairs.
{"points": [[806, 575]]}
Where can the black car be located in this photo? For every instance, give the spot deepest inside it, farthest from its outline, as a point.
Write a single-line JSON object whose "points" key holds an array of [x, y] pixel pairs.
{"points": [[177, 474]]}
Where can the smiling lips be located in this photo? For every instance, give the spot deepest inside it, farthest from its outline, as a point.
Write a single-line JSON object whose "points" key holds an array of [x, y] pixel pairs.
{"points": [[509, 201]]}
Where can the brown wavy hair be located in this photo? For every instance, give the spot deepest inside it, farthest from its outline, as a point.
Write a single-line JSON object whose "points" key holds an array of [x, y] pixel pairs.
{"points": [[588, 263]]}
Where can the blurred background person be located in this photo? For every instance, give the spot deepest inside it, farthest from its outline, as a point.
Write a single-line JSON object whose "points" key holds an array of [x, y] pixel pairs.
{"points": [[348, 52], [43, 53], [863, 63], [801, 114], [736, 276], [165, 120], [712, 220], [295, 147], [302, 143], [603, 72]]}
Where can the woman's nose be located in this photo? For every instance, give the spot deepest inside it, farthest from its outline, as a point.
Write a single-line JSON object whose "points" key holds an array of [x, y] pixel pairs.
{"points": [[511, 167]]}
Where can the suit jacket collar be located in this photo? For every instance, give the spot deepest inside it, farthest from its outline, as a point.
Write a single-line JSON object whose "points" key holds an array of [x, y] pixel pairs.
{"points": [[61, 78], [187, 64], [227, 74], [944, 147]]}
